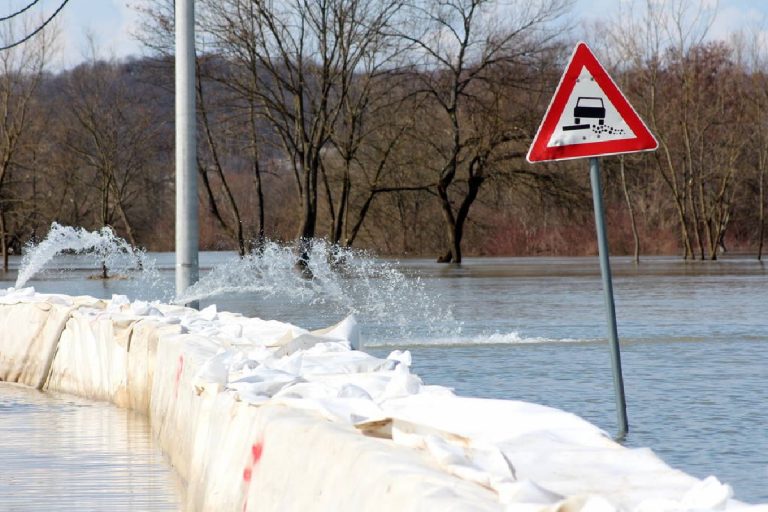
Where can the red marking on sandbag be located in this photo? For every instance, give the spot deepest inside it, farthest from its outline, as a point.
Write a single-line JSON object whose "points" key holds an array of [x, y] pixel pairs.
{"points": [[179, 370], [256, 450]]}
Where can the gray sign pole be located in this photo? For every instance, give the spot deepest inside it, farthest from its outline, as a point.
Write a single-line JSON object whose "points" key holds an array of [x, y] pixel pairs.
{"points": [[610, 310], [187, 231]]}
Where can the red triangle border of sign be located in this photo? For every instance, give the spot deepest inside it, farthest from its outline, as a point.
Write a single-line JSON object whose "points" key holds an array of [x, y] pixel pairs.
{"points": [[584, 58]]}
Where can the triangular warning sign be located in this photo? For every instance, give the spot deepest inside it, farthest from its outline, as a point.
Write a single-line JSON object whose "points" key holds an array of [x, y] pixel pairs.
{"points": [[588, 116]]}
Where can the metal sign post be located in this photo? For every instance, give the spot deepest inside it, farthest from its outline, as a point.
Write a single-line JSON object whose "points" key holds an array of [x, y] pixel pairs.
{"points": [[187, 230], [610, 310]]}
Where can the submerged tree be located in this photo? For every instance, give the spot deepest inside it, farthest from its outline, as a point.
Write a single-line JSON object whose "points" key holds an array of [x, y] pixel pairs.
{"points": [[694, 95], [111, 138], [302, 57], [457, 47]]}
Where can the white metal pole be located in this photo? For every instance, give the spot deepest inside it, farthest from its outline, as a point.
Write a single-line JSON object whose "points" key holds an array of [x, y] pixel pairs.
{"points": [[187, 230]]}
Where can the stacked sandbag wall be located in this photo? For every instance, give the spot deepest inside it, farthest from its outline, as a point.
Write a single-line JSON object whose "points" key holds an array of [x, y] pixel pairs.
{"points": [[232, 455]]}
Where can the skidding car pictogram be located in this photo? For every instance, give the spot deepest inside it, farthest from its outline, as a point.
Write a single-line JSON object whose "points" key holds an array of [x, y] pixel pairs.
{"points": [[587, 107]]}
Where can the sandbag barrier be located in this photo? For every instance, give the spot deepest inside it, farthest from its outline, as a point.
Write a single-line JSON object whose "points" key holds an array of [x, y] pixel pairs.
{"points": [[262, 415]]}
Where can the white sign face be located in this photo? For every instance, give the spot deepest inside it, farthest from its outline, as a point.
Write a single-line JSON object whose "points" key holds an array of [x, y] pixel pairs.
{"points": [[589, 116]]}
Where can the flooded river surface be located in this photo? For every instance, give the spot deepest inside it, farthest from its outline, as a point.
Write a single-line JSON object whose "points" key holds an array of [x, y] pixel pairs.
{"points": [[694, 342]]}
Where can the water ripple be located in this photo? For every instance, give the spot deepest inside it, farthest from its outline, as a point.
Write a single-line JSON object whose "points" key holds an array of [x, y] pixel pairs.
{"points": [[62, 454]]}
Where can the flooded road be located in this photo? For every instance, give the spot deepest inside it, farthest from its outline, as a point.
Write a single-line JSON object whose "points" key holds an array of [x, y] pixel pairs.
{"points": [[63, 453]]}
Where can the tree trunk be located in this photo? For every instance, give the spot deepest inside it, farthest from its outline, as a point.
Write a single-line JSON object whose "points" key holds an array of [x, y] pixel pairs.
{"points": [[671, 182], [456, 243], [473, 187], [761, 215], [309, 210], [360, 218], [720, 233], [104, 199], [343, 202], [236, 220], [631, 211], [707, 223], [329, 200], [450, 225], [684, 232], [3, 241], [696, 219], [126, 223], [260, 236], [213, 206], [309, 215]]}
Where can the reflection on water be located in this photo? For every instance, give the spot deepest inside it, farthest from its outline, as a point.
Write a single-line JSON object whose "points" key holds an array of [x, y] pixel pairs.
{"points": [[62, 453]]}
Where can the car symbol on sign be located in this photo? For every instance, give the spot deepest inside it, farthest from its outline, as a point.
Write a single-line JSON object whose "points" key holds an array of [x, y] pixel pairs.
{"points": [[589, 107]]}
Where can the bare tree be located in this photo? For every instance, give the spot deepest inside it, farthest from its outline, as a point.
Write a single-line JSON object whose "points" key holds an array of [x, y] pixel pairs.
{"points": [[694, 115], [757, 63], [386, 164], [375, 113], [303, 54], [235, 230], [110, 136], [21, 72], [457, 44]]}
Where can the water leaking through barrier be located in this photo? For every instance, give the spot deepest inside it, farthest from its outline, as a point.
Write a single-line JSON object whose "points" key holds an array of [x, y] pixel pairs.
{"points": [[104, 247], [396, 305], [337, 281], [341, 280]]}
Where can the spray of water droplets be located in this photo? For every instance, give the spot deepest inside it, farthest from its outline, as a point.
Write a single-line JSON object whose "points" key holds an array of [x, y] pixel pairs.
{"points": [[339, 280], [336, 281], [101, 247]]}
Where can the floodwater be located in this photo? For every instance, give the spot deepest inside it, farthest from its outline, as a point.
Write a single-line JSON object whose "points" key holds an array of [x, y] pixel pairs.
{"points": [[694, 339], [68, 454], [694, 352]]}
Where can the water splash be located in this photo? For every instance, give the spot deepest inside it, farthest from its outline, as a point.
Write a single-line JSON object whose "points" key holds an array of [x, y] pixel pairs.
{"points": [[343, 281], [390, 304], [103, 247]]}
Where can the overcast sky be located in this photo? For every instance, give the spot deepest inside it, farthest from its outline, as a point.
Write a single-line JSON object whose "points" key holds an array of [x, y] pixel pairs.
{"points": [[732, 14], [111, 22]]}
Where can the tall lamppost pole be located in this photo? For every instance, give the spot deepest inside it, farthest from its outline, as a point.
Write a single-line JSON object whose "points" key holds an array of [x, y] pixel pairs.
{"points": [[187, 228]]}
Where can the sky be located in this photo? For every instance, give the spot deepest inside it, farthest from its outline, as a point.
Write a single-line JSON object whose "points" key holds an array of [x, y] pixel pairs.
{"points": [[732, 14], [112, 22]]}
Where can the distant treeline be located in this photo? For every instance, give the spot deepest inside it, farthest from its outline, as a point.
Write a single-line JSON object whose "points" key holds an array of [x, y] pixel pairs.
{"points": [[395, 125]]}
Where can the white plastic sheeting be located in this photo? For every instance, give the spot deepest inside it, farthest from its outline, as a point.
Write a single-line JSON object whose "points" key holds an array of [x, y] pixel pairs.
{"points": [[262, 415], [30, 331]]}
